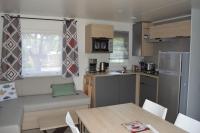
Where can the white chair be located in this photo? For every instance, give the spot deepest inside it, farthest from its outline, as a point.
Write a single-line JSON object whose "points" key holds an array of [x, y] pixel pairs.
{"points": [[74, 130], [155, 109], [188, 124], [71, 124]]}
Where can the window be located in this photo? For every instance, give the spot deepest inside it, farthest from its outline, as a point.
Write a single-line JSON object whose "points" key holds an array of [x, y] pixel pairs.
{"points": [[41, 54], [120, 47]]}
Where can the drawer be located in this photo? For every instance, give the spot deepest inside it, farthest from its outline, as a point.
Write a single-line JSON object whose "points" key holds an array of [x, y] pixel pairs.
{"points": [[145, 80]]}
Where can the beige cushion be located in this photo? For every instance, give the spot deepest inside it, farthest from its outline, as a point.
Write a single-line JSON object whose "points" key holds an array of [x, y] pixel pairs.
{"points": [[39, 85], [44, 102]]}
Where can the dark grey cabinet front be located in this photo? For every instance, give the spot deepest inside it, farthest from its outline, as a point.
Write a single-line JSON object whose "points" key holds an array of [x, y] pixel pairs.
{"points": [[148, 89], [107, 92], [127, 86], [118, 89], [137, 39]]}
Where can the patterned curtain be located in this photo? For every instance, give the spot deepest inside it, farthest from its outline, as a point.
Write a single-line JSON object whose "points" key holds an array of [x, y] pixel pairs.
{"points": [[11, 58], [70, 49]]}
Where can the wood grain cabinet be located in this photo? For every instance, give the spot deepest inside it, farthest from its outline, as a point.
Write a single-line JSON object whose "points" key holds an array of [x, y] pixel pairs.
{"points": [[148, 89], [140, 46], [171, 30], [96, 31], [111, 90]]}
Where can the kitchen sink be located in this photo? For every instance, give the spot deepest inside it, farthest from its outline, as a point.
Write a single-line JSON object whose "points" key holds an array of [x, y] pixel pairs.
{"points": [[120, 71]]}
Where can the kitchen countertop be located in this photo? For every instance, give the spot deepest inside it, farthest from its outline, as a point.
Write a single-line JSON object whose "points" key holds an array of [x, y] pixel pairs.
{"points": [[113, 73]]}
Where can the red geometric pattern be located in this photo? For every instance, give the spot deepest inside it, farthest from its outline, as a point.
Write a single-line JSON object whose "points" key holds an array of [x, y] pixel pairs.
{"points": [[72, 43], [70, 49]]}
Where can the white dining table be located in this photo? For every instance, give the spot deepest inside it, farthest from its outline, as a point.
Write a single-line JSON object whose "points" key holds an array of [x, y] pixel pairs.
{"points": [[109, 119]]}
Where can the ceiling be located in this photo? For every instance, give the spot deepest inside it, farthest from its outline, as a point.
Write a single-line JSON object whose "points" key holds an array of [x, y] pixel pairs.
{"points": [[117, 10]]}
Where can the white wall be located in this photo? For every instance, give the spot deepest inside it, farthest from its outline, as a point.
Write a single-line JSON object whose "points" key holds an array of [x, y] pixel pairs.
{"points": [[193, 108], [83, 57]]}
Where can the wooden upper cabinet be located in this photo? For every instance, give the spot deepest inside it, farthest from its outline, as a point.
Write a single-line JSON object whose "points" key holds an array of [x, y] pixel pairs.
{"points": [[96, 31], [100, 30], [141, 46], [171, 30]]}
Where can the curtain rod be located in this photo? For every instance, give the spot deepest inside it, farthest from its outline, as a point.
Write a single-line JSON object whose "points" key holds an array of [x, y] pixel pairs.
{"points": [[36, 18]]}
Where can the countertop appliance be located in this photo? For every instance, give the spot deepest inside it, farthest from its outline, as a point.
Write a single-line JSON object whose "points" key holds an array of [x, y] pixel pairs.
{"points": [[142, 65], [102, 45], [150, 66], [103, 66], [92, 65], [173, 82]]}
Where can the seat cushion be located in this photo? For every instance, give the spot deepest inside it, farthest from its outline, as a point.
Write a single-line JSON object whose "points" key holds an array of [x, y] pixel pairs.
{"points": [[47, 101], [11, 116]]}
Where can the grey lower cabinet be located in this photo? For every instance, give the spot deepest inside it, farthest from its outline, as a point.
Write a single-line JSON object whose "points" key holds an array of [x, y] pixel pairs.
{"points": [[127, 85], [107, 92], [116, 89], [148, 89]]}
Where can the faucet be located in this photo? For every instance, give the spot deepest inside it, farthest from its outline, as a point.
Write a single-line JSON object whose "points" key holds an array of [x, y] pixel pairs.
{"points": [[124, 69]]}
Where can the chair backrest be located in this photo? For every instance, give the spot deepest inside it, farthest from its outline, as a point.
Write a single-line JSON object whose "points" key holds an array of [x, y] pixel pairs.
{"points": [[69, 120], [155, 109], [71, 124], [188, 124], [74, 129]]}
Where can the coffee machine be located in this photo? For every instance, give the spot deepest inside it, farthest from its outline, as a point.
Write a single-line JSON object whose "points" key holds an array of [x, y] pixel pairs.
{"points": [[92, 65]]}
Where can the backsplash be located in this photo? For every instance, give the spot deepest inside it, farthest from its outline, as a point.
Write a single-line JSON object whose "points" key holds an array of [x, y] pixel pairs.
{"points": [[133, 60], [176, 44]]}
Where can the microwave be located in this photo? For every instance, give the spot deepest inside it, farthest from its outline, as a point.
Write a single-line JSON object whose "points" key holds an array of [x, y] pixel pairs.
{"points": [[102, 45]]}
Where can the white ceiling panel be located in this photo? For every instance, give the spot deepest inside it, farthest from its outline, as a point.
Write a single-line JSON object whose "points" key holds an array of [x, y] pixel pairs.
{"points": [[117, 10]]}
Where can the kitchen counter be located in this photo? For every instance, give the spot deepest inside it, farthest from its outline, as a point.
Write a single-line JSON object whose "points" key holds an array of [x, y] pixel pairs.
{"points": [[113, 73], [143, 82]]}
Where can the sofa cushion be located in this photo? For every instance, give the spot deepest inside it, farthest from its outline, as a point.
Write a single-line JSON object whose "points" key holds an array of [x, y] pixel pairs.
{"points": [[46, 101], [38, 85], [11, 115], [63, 89], [7, 91]]}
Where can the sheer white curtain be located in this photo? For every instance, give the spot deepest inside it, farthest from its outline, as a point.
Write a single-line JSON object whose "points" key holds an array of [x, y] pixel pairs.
{"points": [[41, 54], [41, 48]]}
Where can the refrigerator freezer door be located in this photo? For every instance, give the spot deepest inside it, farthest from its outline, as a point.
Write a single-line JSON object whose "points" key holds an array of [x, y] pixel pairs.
{"points": [[168, 94], [170, 62], [169, 82]]}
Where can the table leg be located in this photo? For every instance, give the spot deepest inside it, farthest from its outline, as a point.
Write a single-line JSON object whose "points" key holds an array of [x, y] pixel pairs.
{"points": [[79, 124], [82, 128]]}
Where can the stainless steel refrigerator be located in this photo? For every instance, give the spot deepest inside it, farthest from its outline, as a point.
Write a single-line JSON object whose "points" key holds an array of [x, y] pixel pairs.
{"points": [[173, 82]]}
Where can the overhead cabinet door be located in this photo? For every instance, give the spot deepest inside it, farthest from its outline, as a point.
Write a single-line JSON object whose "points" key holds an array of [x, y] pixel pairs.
{"points": [[171, 30], [141, 47]]}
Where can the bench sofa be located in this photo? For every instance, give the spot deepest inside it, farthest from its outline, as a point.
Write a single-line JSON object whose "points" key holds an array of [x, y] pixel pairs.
{"points": [[25, 112]]}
